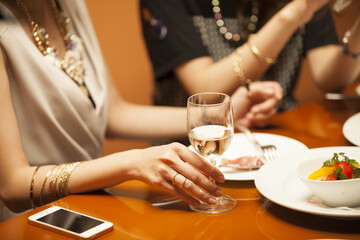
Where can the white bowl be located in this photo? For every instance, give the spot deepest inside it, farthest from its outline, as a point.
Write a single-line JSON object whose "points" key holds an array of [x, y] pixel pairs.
{"points": [[333, 193]]}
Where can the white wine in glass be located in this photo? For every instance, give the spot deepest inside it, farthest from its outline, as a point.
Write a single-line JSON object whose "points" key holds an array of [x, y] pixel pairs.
{"points": [[210, 130]]}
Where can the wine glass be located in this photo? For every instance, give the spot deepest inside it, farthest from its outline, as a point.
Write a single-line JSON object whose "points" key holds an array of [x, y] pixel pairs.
{"points": [[210, 130]]}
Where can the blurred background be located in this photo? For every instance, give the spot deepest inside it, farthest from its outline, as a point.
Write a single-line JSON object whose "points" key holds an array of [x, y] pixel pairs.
{"points": [[118, 28]]}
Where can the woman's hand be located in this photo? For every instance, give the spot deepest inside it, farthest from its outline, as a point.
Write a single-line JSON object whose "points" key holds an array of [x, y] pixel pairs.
{"points": [[178, 170], [257, 109]]}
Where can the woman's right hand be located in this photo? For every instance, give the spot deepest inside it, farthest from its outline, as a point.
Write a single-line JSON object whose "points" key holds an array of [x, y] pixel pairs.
{"points": [[161, 165]]}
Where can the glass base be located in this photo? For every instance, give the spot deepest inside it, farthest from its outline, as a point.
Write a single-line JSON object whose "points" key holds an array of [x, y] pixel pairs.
{"points": [[224, 204]]}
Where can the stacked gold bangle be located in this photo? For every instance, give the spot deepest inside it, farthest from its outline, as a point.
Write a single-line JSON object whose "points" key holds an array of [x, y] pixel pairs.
{"points": [[257, 53], [58, 183]]}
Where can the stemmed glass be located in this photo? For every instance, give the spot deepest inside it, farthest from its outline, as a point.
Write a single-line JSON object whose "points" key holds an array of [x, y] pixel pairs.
{"points": [[210, 130]]}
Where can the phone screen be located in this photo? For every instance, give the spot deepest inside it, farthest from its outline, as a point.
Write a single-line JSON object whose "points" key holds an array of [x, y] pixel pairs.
{"points": [[70, 221]]}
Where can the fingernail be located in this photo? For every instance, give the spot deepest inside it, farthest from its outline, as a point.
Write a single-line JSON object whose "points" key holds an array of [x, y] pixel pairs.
{"points": [[221, 179], [212, 201], [218, 193]]}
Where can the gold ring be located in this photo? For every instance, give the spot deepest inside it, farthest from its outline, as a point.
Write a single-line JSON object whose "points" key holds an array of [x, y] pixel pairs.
{"points": [[183, 182], [173, 179]]}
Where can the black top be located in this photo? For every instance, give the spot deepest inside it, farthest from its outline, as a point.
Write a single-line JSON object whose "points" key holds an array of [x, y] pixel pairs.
{"points": [[177, 31]]}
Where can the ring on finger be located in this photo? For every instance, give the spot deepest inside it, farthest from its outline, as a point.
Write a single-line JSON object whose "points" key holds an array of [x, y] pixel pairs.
{"points": [[173, 179], [183, 182]]}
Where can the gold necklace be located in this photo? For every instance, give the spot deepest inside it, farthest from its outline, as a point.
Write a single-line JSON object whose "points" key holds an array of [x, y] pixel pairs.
{"points": [[73, 64]]}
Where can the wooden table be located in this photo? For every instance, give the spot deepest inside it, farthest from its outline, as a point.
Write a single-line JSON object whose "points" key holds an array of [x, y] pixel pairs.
{"points": [[131, 206]]}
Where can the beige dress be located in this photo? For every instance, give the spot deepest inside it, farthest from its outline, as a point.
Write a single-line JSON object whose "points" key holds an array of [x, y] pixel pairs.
{"points": [[57, 121]]}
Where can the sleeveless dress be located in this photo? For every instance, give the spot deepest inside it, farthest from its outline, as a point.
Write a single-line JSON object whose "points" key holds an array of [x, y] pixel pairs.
{"points": [[57, 122]]}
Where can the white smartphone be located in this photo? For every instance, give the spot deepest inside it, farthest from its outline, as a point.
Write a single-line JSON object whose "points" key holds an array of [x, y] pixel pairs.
{"points": [[70, 223]]}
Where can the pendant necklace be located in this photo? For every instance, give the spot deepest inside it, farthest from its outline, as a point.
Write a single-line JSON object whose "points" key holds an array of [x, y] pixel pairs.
{"points": [[248, 28], [72, 64]]}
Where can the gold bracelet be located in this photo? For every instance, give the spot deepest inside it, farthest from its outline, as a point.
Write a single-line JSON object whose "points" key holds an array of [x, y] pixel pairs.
{"points": [[52, 184], [58, 185], [257, 53], [64, 178], [43, 186], [239, 71], [32, 187]]}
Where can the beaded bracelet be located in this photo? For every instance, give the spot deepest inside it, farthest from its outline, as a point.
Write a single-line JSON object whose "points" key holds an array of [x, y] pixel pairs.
{"points": [[257, 53], [239, 71], [345, 46]]}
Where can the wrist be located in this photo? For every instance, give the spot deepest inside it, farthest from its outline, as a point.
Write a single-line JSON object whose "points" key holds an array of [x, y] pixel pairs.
{"points": [[345, 46]]}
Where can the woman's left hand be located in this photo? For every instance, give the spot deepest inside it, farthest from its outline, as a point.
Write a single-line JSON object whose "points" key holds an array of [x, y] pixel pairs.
{"points": [[256, 109]]}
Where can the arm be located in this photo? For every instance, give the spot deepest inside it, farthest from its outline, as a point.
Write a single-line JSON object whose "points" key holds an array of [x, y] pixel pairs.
{"points": [[340, 69], [150, 121], [155, 166], [203, 74]]}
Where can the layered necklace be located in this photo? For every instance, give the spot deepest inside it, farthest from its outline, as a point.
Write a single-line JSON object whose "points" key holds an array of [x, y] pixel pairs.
{"points": [[72, 64], [249, 24]]}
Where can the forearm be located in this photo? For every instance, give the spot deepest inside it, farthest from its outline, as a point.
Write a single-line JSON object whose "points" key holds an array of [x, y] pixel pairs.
{"points": [[46, 181], [134, 121], [270, 40], [337, 72], [340, 68], [102, 173]]}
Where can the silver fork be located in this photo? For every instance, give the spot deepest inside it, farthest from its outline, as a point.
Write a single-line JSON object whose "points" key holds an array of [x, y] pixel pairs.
{"points": [[269, 152]]}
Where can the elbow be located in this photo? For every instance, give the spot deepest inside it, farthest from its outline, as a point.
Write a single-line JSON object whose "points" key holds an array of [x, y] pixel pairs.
{"points": [[12, 202], [332, 84], [14, 193]]}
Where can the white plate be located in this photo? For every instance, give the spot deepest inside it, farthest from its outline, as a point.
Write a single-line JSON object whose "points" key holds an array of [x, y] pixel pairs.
{"points": [[240, 146], [351, 129], [278, 182]]}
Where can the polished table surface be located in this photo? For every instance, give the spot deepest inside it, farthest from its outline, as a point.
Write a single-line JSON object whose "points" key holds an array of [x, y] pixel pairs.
{"points": [[141, 212]]}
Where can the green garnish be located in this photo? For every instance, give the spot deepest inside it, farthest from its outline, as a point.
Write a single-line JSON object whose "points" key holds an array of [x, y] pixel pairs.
{"points": [[333, 160], [339, 175], [336, 159]]}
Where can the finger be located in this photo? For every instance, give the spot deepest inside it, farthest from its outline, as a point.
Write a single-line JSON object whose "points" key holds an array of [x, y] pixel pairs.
{"points": [[262, 119], [198, 178], [246, 121], [201, 164], [182, 183], [182, 194], [267, 89], [265, 106]]}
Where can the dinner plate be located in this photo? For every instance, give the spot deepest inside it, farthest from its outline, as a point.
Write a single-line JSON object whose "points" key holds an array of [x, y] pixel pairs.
{"points": [[278, 182], [351, 129], [240, 146]]}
